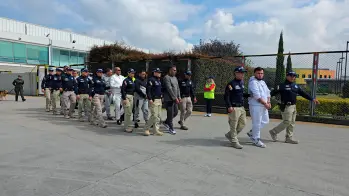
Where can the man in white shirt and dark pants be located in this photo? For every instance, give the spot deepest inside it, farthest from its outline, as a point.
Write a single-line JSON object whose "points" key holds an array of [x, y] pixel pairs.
{"points": [[259, 103], [115, 86]]}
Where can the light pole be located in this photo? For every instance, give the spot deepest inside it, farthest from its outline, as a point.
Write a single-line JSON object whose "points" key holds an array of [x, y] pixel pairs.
{"points": [[337, 77], [346, 62], [341, 63]]}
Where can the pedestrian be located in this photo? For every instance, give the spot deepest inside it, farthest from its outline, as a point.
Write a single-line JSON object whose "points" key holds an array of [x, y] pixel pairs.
{"points": [[127, 94], [69, 86], [141, 100], [108, 96], [97, 92], [83, 97], [154, 96], [75, 75], [172, 97], [209, 91], [115, 86], [46, 84], [259, 103], [187, 91], [56, 89], [288, 91], [234, 99], [18, 83], [64, 73]]}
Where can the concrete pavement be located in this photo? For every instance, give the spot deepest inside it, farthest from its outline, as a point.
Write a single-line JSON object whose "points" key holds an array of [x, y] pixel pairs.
{"points": [[44, 155]]}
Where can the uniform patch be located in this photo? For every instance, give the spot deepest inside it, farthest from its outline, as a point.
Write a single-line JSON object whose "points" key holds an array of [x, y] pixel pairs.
{"points": [[295, 86], [230, 87], [150, 83], [237, 87]]}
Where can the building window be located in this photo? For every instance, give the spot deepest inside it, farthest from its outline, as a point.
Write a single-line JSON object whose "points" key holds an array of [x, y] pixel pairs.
{"points": [[20, 53], [6, 51], [64, 57], [325, 76], [55, 57], [320, 76], [297, 76], [37, 55], [329, 76], [303, 75], [81, 58], [73, 58], [309, 75]]}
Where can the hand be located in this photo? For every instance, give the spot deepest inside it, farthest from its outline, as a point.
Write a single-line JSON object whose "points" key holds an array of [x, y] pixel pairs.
{"points": [[60, 89], [43, 90], [267, 105], [195, 100], [90, 98], [124, 102], [151, 102], [77, 97], [316, 101], [177, 101], [230, 109]]}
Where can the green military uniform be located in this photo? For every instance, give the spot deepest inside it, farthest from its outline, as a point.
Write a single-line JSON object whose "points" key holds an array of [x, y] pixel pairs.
{"points": [[18, 83]]}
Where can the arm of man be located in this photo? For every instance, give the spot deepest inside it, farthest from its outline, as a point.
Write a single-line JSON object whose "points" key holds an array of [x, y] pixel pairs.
{"points": [[14, 83], [123, 90], [43, 82], [149, 89], [255, 92], [168, 87], [305, 95], [178, 90], [275, 91], [75, 86], [92, 87], [192, 91], [227, 95], [138, 88]]}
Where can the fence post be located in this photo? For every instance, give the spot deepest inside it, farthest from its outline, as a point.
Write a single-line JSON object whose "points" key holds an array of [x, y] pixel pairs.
{"points": [[189, 64], [147, 66], [314, 83]]}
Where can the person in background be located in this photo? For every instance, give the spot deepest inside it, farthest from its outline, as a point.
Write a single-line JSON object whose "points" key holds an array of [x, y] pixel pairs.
{"points": [[141, 100], [75, 75], [172, 97], [187, 89], [46, 84], [209, 90], [108, 96], [83, 96], [56, 89], [18, 83], [115, 86], [127, 94], [69, 86], [64, 73], [97, 92]]}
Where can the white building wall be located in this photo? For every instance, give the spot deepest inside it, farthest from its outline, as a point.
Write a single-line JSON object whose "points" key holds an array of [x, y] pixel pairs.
{"points": [[25, 32]]}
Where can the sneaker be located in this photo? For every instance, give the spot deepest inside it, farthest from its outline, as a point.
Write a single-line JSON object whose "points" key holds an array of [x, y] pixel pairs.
{"points": [[259, 143], [273, 136], [291, 141], [67, 117], [209, 115], [172, 131], [129, 130], [146, 133], [136, 125], [166, 125], [228, 137], [109, 118], [118, 122], [206, 115]]}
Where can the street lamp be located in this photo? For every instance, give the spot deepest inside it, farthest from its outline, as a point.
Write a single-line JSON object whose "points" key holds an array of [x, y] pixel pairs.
{"points": [[337, 77], [341, 63], [346, 62]]}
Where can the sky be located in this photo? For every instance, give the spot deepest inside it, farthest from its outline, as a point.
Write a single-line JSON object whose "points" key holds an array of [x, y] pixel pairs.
{"points": [[177, 25]]}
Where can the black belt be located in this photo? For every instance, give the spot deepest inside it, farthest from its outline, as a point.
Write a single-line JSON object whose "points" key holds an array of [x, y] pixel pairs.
{"points": [[289, 103], [236, 105], [129, 93], [68, 89]]}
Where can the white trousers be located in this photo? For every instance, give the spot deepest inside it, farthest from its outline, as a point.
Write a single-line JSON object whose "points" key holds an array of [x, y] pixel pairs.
{"points": [[117, 103], [260, 117]]}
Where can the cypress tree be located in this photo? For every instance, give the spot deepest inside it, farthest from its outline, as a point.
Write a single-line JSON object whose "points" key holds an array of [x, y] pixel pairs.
{"points": [[280, 73], [289, 63]]}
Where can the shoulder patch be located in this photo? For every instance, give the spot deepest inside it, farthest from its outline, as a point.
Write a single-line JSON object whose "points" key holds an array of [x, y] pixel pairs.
{"points": [[230, 87]]}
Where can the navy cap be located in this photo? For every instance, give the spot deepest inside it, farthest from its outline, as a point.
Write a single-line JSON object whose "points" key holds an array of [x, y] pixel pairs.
{"points": [[210, 77], [99, 71], [58, 69], [157, 70], [188, 73], [50, 69], [70, 69], [240, 69], [130, 70], [84, 70], [291, 73]]}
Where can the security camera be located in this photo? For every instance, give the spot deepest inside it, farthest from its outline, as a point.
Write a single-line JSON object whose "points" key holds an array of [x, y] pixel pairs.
{"points": [[47, 34], [74, 41]]}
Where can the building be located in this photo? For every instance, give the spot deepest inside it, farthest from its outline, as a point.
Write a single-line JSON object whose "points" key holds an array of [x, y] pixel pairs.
{"points": [[24, 45], [304, 73]]}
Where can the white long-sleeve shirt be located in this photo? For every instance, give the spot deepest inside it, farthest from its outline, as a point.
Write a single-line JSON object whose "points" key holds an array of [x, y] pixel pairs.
{"points": [[116, 83], [258, 89]]}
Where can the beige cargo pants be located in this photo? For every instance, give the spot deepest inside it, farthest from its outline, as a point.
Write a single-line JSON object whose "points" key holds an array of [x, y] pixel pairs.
{"points": [[186, 107], [128, 112], [155, 116], [97, 114], [69, 99], [55, 98], [48, 99], [237, 122], [84, 103], [288, 121]]}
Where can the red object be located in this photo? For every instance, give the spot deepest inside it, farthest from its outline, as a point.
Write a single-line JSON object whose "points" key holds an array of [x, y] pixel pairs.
{"points": [[209, 88]]}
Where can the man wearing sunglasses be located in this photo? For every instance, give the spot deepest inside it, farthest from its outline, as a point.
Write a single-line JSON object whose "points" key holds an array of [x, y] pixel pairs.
{"points": [[115, 86], [288, 92]]}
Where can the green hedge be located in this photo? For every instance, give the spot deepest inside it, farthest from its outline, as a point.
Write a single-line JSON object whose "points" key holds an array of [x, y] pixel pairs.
{"points": [[335, 107]]}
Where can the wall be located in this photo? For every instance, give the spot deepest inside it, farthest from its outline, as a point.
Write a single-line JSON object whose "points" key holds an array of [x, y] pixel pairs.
{"points": [[303, 74], [29, 82]]}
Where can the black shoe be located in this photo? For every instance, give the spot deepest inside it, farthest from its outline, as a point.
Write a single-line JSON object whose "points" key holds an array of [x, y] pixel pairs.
{"points": [[118, 122], [109, 118], [23, 100], [136, 125]]}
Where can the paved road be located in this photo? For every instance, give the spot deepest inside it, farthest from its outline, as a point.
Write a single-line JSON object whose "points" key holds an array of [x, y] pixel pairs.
{"points": [[44, 155]]}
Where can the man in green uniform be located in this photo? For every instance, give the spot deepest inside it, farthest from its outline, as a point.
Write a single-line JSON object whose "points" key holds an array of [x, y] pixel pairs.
{"points": [[18, 83]]}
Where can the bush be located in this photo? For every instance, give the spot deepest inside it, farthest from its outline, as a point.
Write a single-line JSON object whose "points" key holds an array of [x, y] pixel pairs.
{"points": [[335, 107]]}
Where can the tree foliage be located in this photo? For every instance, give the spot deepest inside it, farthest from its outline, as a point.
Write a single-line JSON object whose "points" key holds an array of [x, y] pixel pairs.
{"points": [[217, 48], [289, 63], [280, 73]]}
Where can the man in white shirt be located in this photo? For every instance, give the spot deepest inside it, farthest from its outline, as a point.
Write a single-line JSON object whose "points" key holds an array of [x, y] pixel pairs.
{"points": [[115, 86], [108, 96], [259, 103]]}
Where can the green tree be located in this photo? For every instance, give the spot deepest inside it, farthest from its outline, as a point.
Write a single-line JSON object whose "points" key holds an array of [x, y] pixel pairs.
{"points": [[289, 63], [217, 48], [280, 73]]}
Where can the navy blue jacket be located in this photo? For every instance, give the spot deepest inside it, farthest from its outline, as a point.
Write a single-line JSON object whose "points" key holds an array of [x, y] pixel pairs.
{"points": [[234, 94], [84, 85], [154, 88], [56, 82], [98, 86], [46, 81], [139, 82], [289, 91], [128, 88], [187, 88], [69, 83]]}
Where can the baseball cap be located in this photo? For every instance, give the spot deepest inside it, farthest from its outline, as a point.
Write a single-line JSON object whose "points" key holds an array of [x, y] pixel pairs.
{"points": [[58, 69], [70, 69], [99, 71], [131, 70], [188, 73], [157, 70], [210, 77], [291, 73], [84, 70], [240, 69], [50, 69]]}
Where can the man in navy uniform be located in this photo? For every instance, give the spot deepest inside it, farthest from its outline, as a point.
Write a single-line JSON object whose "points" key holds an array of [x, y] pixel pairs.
{"points": [[127, 94], [46, 88], [69, 86]]}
